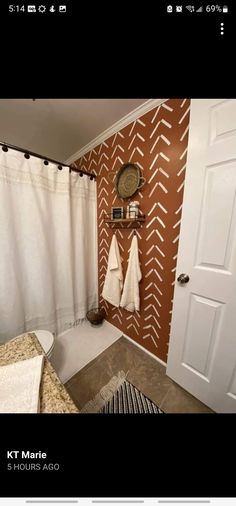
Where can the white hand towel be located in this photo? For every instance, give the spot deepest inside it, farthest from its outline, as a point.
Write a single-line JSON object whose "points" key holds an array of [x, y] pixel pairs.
{"points": [[114, 277], [130, 299]]}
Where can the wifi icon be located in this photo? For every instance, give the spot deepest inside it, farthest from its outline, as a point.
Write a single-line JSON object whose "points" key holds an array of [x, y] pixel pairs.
{"points": [[190, 8]]}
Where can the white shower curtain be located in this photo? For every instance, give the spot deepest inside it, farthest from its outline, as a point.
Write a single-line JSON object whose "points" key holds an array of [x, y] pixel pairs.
{"points": [[48, 246]]}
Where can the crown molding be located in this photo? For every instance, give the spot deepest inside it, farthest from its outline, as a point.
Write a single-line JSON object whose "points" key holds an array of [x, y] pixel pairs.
{"points": [[116, 127]]}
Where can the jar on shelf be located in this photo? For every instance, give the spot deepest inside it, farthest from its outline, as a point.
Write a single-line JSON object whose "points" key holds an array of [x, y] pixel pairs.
{"points": [[134, 209]]}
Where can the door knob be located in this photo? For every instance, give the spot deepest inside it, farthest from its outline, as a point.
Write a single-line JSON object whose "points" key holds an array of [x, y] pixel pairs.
{"points": [[183, 278]]}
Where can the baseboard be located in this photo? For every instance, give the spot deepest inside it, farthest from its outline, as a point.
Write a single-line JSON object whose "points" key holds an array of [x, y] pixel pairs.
{"points": [[140, 346], [145, 350]]}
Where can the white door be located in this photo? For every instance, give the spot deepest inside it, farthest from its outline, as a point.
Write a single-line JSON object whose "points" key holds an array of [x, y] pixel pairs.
{"points": [[202, 350]]}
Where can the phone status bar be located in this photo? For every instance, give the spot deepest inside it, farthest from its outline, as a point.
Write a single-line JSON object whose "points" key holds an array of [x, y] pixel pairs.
{"points": [[218, 9], [41, 9]]}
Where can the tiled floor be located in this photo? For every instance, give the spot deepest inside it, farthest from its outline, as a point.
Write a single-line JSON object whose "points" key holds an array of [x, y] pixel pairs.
{"points": [[147, 374]]}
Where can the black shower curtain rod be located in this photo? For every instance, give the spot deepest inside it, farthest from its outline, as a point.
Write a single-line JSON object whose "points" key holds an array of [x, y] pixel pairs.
{"points": [[6, 145]]}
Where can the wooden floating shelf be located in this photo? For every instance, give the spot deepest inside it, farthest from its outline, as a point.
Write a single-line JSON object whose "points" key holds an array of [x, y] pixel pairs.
{"points": [[125, 222]]}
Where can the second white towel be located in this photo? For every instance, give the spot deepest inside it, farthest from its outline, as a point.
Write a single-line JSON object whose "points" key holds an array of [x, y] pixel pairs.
{"points": [[130, 299]]}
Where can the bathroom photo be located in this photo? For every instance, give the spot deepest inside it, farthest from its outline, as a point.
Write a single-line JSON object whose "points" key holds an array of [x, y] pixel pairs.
{"points": [[117, 256]]}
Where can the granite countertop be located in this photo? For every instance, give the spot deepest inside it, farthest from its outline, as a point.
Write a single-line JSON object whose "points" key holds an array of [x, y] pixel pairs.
{"points": [[54, 397]]}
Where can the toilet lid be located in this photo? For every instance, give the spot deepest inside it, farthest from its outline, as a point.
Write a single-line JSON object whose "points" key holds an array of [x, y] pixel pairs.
{"points": [[45, 338]]}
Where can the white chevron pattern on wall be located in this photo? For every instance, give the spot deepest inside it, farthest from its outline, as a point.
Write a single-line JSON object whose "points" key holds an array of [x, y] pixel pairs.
{"points": [[157, 142]]}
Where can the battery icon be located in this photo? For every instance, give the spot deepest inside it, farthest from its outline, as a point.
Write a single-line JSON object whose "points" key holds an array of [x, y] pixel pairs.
{"points": [[225, 8]]}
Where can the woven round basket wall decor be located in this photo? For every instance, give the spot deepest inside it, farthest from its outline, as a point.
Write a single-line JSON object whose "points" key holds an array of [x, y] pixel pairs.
{"points": [[128, 180]]}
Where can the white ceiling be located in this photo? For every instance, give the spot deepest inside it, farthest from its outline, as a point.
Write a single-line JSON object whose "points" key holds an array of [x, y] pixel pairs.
{"points": [[58, 128]]}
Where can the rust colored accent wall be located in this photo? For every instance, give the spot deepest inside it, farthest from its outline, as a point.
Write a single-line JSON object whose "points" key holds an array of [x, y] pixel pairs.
{"points": [[157, 141]]}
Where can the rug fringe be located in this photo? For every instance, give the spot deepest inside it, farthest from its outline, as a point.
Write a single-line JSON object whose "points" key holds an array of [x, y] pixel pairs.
{"points": [[105, 394]]}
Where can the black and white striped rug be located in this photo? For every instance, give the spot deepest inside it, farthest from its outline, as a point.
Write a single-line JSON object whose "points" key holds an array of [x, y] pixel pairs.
{"points": [[128, 399]]}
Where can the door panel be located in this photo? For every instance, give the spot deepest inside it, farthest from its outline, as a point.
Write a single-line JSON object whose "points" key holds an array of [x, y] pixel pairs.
{"points": [[222, 120], [218, 214], [202, 328]]}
